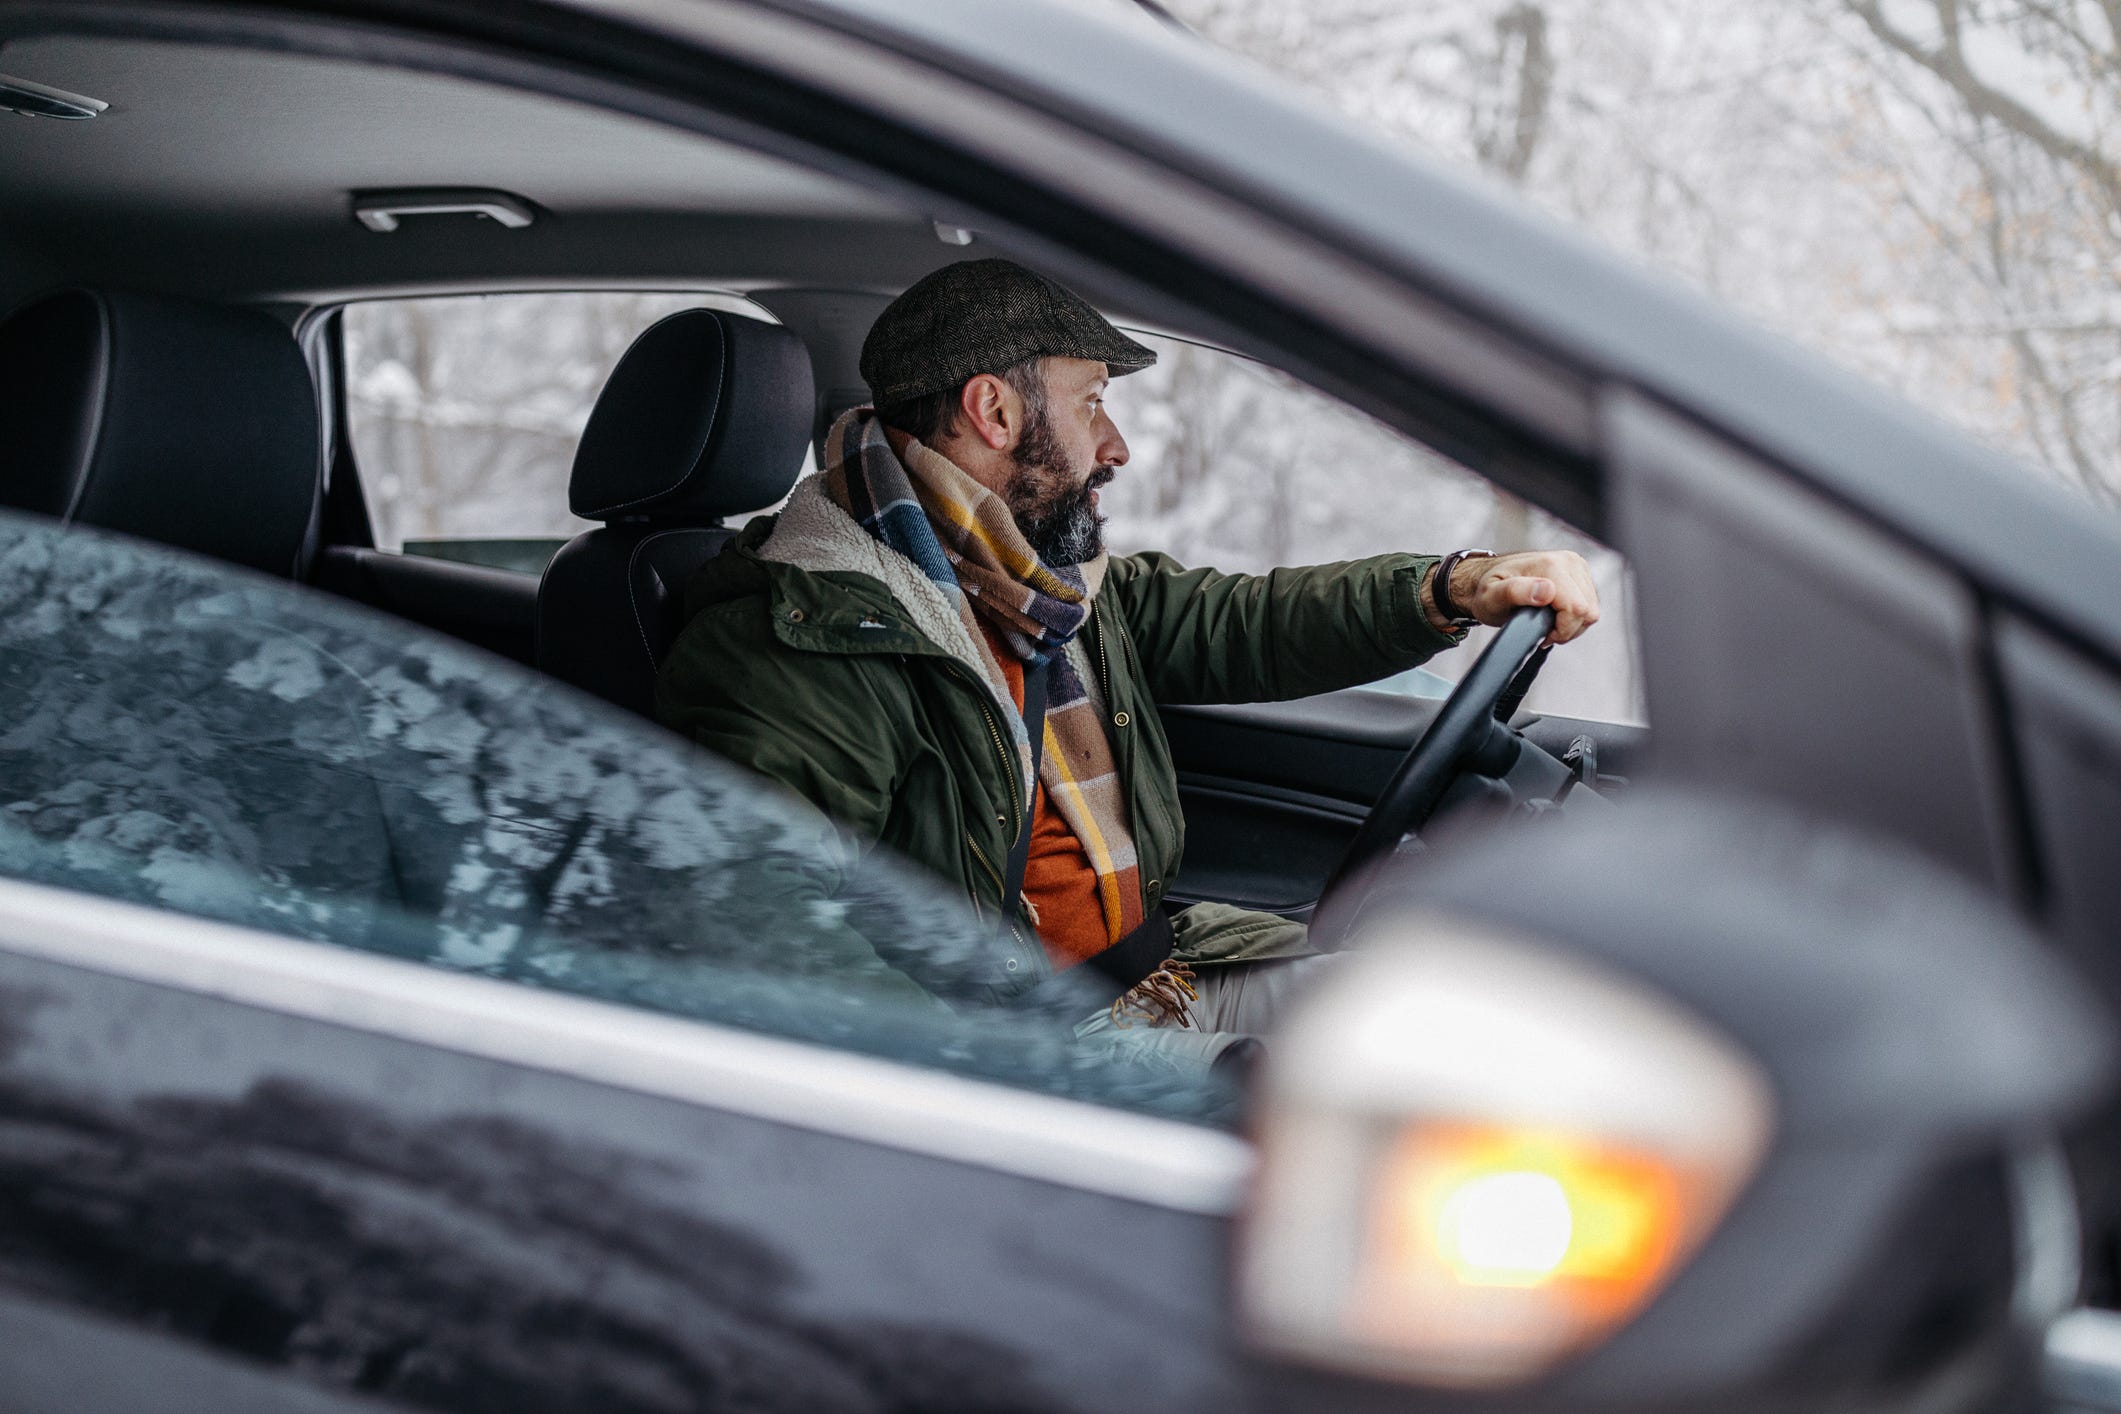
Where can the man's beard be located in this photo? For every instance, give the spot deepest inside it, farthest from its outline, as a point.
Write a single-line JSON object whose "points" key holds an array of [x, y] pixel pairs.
{"points": [[1056, 516]]}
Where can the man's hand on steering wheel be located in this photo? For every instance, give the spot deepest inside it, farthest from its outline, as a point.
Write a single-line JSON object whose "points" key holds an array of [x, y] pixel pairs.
{"points": [[1492, 587]]}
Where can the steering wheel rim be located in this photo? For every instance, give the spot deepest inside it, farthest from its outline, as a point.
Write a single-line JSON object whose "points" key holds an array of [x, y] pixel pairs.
{"points": [[1461, 724]]}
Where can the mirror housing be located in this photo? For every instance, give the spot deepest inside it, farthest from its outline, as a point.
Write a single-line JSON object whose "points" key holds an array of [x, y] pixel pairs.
{"points": [[1873, 1051]]}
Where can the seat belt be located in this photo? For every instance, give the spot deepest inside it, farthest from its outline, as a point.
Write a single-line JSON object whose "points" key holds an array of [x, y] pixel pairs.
{"points": [[1034, 728]]}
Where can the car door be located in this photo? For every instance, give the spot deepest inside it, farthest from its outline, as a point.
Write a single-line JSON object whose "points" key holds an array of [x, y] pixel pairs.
{"points": [[280, 1163], [383, 1017]]}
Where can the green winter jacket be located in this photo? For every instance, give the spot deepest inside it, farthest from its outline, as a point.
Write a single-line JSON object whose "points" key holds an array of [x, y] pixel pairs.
{"points": [[816, 657]]}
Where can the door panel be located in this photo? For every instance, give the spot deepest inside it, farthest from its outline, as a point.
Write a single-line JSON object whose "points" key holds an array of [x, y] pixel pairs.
{"points": [[1259, 846], [553, 1211], [1273, 791], [2065, 708]]}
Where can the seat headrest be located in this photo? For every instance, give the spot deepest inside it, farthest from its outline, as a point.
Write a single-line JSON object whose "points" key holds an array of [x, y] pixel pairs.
{"points": [[187, 423], [708, 414]]}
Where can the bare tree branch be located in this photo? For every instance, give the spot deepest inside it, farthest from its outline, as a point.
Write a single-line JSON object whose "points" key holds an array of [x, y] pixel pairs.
{"points": [[1522, 55], [1948, 62]]}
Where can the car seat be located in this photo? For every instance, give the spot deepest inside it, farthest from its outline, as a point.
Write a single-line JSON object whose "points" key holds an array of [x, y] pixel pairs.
{"points": [[707, 415], [183, 422]]}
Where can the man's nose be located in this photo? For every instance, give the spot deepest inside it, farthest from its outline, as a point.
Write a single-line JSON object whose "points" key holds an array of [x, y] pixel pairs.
{"points": [[1112, 451]]}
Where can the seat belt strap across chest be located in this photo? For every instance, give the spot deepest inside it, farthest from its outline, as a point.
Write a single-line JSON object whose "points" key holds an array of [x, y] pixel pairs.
{"points": [[1035, 729]]}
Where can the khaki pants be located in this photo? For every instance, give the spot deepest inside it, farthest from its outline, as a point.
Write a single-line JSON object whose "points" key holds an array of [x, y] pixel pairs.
{"points": [[1237, 1000]]}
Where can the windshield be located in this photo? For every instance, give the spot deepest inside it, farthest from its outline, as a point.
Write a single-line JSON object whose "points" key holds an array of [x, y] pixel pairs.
{"points": [[197, 738]]}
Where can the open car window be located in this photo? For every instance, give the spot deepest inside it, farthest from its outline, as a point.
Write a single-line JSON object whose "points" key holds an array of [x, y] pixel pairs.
{"points": [[1243, 468], [197, 738]]}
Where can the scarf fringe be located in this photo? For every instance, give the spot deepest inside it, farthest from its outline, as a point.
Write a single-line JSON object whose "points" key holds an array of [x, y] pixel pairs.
{"points": [[1164, 998]]}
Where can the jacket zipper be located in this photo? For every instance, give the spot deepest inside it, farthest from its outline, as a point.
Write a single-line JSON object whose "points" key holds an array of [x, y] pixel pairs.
{"points": [[1008, 915], [1104, 668], [988, 865], [1010, 765]]}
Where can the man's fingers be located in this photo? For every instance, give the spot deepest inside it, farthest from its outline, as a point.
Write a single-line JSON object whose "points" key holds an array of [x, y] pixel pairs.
{"points": [[1526, 589], [1559, 579], [1575, 606], [1573, 613]]}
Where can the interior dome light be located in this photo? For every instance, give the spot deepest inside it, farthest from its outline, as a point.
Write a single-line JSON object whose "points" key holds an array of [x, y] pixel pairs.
{"points": [[1479, 1156]]}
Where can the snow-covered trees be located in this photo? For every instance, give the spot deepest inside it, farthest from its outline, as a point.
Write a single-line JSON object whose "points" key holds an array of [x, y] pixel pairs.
{"points": [[1928, 191]]}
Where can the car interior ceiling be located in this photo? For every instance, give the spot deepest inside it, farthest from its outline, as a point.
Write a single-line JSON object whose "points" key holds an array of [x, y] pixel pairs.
{"points": [[178, 192], [193, 198]]}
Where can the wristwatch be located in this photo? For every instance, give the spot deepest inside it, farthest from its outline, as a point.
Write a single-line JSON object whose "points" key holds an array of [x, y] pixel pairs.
{"points": [[1440, 587]]}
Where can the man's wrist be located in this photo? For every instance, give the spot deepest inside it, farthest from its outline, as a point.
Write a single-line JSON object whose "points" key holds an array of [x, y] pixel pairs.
{"points": [[1429, 611], [1447, 593]]}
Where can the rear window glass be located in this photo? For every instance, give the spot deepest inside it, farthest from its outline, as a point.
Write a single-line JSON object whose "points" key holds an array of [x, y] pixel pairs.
{"points": [[464, 411]]}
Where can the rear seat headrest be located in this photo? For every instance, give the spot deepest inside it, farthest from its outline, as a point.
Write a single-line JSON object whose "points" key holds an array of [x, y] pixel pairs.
{"points": [[708, 414], [188, 423]]}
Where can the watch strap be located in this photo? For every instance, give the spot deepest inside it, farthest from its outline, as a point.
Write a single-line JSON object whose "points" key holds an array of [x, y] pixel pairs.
{"points": [[1446, 606]]}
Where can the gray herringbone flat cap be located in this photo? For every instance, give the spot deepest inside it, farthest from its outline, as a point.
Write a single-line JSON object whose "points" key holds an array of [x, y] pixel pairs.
{"points": [[983, 316]]}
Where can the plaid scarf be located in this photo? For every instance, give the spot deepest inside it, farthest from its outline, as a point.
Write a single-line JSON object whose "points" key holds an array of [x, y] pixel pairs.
{"points": [[964, 539]]}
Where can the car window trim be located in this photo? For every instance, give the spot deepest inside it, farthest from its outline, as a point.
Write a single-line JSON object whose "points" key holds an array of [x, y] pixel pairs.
{"points": [[1143, 1159]]}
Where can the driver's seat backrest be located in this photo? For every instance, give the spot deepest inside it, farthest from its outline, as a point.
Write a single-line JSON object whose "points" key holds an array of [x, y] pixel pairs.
{"points": [[708, 415]]}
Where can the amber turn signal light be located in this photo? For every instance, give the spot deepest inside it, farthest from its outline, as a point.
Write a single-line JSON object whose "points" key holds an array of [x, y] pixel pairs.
{"points": [[1479, 1157]]}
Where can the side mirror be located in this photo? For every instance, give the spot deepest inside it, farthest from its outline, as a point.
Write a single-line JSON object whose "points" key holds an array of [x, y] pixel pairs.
{"points": [[1701, 1107]]}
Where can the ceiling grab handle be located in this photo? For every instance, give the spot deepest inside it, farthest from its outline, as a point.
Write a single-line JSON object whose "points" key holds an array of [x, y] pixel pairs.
{"points": [[36, 100], [382, 210]]}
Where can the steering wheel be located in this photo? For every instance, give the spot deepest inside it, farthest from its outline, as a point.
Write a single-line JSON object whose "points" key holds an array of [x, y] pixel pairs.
{"points": [[1469, 731]]}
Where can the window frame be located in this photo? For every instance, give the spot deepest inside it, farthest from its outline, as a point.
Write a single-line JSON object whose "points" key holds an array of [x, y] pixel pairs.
{"points": [[964, 1119]]}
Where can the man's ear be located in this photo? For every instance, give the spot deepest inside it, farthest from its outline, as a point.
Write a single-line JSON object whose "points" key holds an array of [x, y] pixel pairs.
{"points": [[988, 406]]}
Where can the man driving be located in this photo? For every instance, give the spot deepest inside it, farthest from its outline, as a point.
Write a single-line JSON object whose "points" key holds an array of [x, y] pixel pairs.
{"points": [[879, 646]]}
